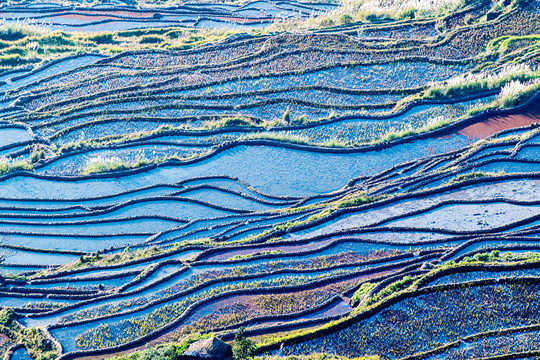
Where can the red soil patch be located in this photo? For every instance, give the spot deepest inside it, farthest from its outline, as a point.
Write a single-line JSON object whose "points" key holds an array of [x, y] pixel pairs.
{"points": [[495, 124]]}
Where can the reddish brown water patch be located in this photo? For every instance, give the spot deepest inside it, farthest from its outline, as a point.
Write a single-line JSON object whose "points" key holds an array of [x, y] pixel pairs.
{"points": [[243, 20], [89, 18], [261, 250], [495, 124], [131, 14]]}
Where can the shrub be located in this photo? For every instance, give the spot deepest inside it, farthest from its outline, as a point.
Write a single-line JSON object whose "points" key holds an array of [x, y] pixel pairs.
{"points": [[8, 166], [327, 22], [361, 292], [346, 19], [236, 121], [515, 92], [440, 25], [361, 200], [243, 348], [6, 316], [12, 33], [100, 165], [469, 176], [103, 39], [150, 39], [468, 19], [287, 116], [520, 3], [36, 156], [509, 77], [57, 39], [9, 60], [374, 17], [408, 14]]}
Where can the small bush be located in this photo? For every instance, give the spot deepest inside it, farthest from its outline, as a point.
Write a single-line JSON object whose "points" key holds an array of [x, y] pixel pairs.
{"points": [[520, 3], [361, 200], [361, 292], [57, 39], [408, 14], [287, 116], [10, 60], [11, 34], [327, 22], [175, 34], [236, 121], [7, 166], [374, 17], [150, 39], [6, 316], [346, 19], [440, 26], [15, 50], [36, 156], [101, 165], [469, 176], [243, 348], [103, 39]]}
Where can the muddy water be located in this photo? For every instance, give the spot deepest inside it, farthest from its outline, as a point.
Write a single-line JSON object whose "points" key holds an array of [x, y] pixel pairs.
{"points": [[495, 124]]}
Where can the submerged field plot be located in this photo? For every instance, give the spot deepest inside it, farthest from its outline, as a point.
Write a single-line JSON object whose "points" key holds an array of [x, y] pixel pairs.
{"points": [[351, 179]]}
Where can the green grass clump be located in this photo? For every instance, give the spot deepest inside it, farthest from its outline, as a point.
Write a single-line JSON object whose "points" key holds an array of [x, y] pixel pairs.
{"points": [[235, 121], [36, 156], [33, 339], [97, 260], [105, 38], [474, 83], [392, 289], [516, 92], [472, 176], [17, 31], [103, 166], [357, 201], [237, 257], [361, 292], [58, 39], [151, 39], [513, 94], [9, 167], [7, 315], [10, 60], [484, 257], [243, 348], [168, 351]]}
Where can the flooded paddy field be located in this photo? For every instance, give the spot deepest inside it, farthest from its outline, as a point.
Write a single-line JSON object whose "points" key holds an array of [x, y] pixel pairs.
{"points": [[295, 179]]}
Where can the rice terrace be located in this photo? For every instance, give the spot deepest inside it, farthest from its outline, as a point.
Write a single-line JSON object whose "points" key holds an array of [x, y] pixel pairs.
{"points": [[269, 179]]}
